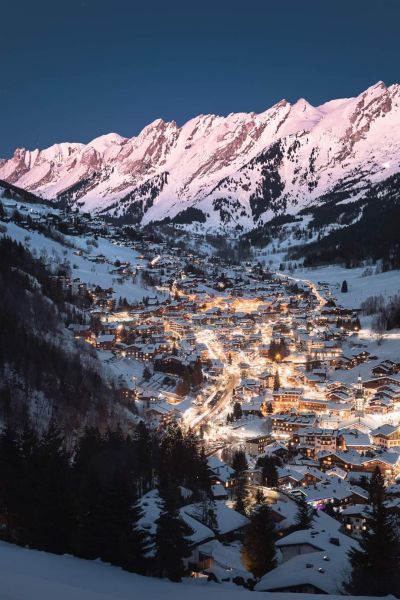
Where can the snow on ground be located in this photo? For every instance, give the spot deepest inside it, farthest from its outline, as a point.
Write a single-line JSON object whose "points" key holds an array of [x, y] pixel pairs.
{"points": [[88, 272], [387, 284], [128, 369], [248, 427], [33, 575]]}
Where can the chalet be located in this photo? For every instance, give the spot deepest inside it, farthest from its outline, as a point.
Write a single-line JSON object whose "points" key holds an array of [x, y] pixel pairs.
{"points": [[220, 472], [313, 405], [347, 461], [333, 490], [355, 519], [315, 439], [80, 331], [266, 379], [283, 425], [286, 398], [386, 436], [355, 440], [105, 341], [386, 367], [257, 445], [311, 560], [387, 462]]}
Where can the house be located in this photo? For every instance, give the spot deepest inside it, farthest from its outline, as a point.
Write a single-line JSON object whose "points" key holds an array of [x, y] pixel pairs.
{"points": [[298, 475], [386, 367], [355, 440], [386, 436], [332, 490], [105, 341], [256, 446], [312, 560], [220, 472], [286, 398], [355, 519], [219, 492], [315, 439]]}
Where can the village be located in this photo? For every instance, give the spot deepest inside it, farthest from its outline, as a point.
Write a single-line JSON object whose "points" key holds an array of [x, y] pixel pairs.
{"points": [[255, 363]]}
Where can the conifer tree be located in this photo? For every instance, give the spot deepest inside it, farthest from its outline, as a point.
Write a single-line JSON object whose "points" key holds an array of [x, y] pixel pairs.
{"points": [[239, 462], [375, 567], [123, 543], [269, 472], [237, 411], [241, 496], [53, 522], [206, 513], [259, 497], [144, 456], [277, 381], [258, 552], [304, 514], [172, 545], [146, 374], [11, 471]]}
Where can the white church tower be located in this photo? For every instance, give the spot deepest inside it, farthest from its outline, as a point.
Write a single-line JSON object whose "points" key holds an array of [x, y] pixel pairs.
{"points": [[359, 399]]}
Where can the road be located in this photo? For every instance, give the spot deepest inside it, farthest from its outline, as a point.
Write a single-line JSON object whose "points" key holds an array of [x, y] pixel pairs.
{"points": [[221, 403], [321, 300]]}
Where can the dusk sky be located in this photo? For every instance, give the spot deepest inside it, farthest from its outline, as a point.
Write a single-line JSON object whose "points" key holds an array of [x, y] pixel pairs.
{"points": [[71, 71]]}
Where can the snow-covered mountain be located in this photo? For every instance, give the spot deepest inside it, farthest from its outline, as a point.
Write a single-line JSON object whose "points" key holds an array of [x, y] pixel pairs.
{"points": [[239, 170]]}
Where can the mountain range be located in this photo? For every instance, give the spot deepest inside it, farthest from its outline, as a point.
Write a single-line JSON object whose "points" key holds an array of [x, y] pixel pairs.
{"points": [[229, 173]]}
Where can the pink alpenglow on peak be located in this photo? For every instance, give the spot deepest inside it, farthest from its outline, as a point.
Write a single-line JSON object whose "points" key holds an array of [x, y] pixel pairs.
{"points": [[237, 171]]}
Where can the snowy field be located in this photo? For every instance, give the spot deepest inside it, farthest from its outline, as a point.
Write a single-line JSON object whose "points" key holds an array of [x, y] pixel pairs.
{"points": [[33, 575], [359, 287]]}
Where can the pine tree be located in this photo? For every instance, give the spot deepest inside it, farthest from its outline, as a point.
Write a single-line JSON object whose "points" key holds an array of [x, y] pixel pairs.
{"points": [[91, 536], [182, 388], [144, 456], [123, 543], [11, 471], [237, 411], [304, 514], [344, 289], [375, 567], [52, 518], [258, 552], [277, 381], [269, 472], [206, 513], [239, 462], [146, 374], [171, 540], [259, 498], [241, 496]]}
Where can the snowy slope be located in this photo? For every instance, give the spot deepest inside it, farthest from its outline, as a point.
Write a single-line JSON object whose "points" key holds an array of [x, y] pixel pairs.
{"points": [[33, 575], [239, 170], [88, 272]]}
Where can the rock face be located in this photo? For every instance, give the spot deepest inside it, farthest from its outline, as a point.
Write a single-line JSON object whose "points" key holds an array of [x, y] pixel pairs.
{"points": [[239, 170]]}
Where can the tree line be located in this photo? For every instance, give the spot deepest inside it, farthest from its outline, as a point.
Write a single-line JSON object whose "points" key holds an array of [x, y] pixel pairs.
{"points": [[85, 501]]}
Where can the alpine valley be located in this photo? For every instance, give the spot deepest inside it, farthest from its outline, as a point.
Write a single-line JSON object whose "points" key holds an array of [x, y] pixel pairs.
{"points": [[229, 174]]}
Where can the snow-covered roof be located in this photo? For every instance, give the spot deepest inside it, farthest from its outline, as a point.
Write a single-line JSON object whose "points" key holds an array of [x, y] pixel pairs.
{"points": [[328, 562]]}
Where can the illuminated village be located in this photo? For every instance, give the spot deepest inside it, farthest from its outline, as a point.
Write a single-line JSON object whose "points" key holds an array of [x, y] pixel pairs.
{"points": [[264, 364], [291, 401]]}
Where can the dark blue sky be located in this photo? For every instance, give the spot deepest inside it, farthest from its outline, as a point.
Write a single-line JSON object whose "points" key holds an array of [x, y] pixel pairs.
{"points": [[73, 70]]}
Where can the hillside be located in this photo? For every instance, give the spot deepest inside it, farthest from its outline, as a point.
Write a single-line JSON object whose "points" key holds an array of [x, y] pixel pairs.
{"points": [[45, 372], [225, 173], [27, 574]]}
